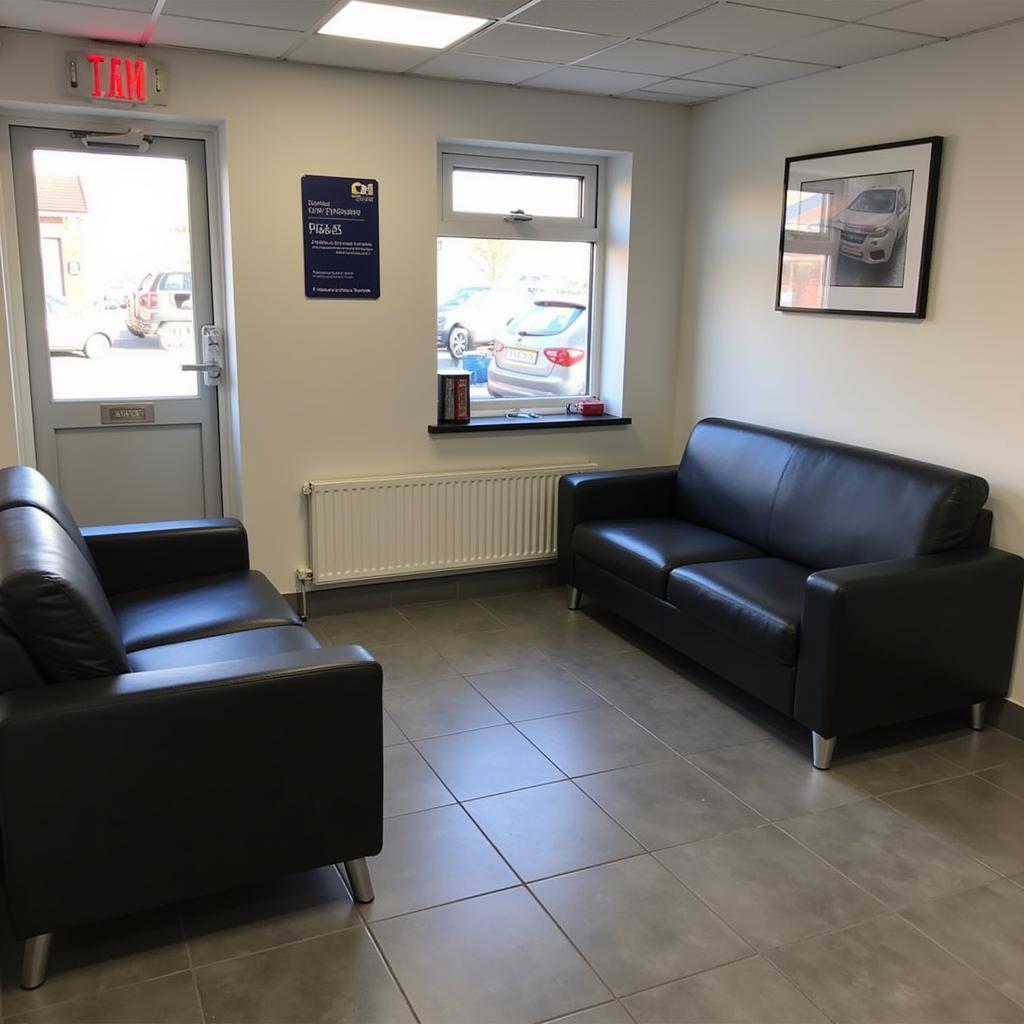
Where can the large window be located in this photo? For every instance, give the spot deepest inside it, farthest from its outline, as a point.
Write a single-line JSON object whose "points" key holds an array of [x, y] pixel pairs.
{"points": [[517, 268]]}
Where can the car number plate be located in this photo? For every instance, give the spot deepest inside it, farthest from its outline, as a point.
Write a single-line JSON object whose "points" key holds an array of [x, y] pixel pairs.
{"points": [[521, 355]]}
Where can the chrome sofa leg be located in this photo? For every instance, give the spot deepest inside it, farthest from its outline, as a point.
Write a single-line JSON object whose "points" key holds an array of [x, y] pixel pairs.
{"points": [[978, 715], [823, 750], [575, 596], [34, 960], [359, 878]]}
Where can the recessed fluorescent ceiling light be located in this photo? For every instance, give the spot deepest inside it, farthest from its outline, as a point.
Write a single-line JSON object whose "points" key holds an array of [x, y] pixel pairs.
{"points": [[403, 25]]}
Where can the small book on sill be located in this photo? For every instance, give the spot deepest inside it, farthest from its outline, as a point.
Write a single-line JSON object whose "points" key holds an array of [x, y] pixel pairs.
{"points": [[452, 396]]}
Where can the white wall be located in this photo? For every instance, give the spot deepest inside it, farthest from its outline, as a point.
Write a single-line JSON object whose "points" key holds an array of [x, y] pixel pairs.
{"points": [[949, 389], [347, 387]]}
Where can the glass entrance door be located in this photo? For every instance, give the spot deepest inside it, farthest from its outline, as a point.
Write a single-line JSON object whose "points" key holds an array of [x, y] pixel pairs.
{"points": [[115, 251]]}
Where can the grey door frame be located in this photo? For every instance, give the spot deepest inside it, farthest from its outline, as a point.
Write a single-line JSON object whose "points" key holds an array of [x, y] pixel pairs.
{"points": [[12, 309]]}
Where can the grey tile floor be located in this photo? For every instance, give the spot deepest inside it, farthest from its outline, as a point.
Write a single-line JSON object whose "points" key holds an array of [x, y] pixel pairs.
{"points": [[581, 827]]}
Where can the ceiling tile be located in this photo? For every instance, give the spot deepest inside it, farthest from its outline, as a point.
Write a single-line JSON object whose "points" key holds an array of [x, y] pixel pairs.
{"points": [[470, 67], [489, 9], [610, 17], [689, 87], [218, 35], [755, 71], [843, 10], [848, 44], [950, 17], [143, 6], [661, 97], [604, 83], [74, 20], [535, 43], [360, 54], [299, 15], [656, 58], [739, 29]]}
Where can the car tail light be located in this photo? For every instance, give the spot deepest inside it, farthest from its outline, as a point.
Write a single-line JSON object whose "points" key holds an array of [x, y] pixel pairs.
{"points": [[564, 356], [499, 346], [149, 300]]}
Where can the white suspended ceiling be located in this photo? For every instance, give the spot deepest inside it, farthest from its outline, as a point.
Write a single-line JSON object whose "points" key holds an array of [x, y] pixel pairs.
{"points": [[676, 51]]}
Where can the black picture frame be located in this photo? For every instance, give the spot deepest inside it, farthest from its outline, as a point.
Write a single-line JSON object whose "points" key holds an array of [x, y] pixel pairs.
{"points": [[857, 229]]}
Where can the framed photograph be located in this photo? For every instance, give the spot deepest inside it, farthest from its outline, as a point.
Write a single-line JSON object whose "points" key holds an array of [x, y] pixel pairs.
{"points": [[857, 227]]}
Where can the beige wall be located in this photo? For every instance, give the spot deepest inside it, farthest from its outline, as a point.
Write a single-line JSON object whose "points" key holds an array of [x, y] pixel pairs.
{"points": [[949, 389], [329, 388]]}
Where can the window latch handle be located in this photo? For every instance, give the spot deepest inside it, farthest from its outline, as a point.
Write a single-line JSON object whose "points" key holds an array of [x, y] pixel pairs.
{"points": [[518, 216]]}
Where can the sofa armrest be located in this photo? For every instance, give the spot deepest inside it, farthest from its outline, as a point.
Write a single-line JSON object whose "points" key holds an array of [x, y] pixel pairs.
{"points": [[890, 641], [612, 494], [132, 791], [132, 556]]}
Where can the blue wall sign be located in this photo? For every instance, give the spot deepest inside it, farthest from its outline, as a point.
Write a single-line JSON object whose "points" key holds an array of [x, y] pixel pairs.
{"points": [[341, 233]]}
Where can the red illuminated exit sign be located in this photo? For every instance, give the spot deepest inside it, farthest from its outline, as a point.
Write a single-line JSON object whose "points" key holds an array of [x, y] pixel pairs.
{"points": [[115, 79]]}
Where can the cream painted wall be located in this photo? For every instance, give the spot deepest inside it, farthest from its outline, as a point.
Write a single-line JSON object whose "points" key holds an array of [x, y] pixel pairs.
{"points": [[948, 389], [330, 388]]}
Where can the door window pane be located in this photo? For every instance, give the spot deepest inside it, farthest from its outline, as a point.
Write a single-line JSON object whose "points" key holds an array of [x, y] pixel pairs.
{"points": [[116, 261], [540, 195], [516, 315]]}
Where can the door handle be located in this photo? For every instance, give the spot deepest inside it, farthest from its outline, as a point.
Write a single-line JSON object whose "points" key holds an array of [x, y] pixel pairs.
{"points": [[212, 370]]}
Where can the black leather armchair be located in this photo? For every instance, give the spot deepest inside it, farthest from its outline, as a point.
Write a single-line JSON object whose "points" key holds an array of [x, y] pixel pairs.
{"points": [[846, 588], [167, 726]]}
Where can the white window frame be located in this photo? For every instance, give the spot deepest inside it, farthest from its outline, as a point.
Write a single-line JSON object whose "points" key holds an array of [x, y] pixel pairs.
{"points": [[587, 227]]}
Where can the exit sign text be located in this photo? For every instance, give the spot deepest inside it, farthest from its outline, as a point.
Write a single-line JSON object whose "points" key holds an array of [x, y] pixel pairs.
{"points": [[115, 78]]}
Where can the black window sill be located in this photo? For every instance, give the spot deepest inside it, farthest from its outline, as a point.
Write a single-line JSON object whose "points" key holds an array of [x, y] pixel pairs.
{"points": [[483, 424]]}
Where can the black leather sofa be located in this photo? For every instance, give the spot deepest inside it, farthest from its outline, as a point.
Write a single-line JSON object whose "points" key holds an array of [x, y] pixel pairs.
{"points": [[168, 728], [844, 587]]}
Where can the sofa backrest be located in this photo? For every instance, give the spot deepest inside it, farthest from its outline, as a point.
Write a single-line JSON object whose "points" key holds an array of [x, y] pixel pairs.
{"points": [[23, 486], [52, 602], [820, 503], [18, 669]]}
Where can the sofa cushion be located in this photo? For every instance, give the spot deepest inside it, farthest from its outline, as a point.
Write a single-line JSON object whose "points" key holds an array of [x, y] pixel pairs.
{"points": [[821, 503], [52, 601], [250, 643], [203, 607], [837, 505], [729, 476], [644, 551], [757, 602], [25, 487]]}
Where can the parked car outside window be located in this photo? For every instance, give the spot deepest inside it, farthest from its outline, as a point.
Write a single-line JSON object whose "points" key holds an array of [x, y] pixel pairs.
{"points": [[69, 330], [543, 353], [162, 305], [481, 319]]}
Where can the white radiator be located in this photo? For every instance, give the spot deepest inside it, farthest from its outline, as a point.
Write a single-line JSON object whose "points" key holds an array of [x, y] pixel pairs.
{"points": [[395, 527]]}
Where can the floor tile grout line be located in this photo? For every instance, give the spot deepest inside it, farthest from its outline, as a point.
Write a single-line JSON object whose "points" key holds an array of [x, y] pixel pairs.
{"points": [[824, 860], [957, 844], [718, 917], [191, 963], [517, 884], [995, 785], [755, 955], [568, 938], [392, 973], [360, 923], [671, 846], [718, 782], [959, 959], [90, 995], [956, 847], [792, 981]]}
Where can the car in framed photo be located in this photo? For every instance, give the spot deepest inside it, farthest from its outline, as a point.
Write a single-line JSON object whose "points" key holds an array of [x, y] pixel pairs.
{"points": [[857, 230]]}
